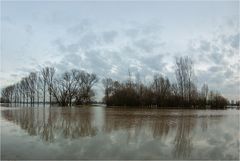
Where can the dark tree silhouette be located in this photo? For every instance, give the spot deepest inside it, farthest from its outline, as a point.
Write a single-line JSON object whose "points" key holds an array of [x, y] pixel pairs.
{"points": [[76, 87]]}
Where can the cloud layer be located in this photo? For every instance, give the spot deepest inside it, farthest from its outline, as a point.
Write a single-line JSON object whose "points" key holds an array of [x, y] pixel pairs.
{"points": [[111, 43]]}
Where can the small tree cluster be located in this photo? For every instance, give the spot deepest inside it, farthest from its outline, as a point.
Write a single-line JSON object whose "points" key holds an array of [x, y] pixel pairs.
{"points": [[160, 92]]}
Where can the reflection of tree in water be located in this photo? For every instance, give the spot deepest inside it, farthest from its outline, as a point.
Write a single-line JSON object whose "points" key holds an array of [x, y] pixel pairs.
{"points": [[46, 128], [186, 123], [206, 121], [162, 125], [52, 123], [183, 139], [77, 124], [74, 123], [22, 118], [120, 119], [48, 122], [154, 122]]}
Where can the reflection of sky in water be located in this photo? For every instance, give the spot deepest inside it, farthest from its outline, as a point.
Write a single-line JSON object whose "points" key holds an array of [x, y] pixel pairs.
{"points": [[98, 117], [99, 133]]}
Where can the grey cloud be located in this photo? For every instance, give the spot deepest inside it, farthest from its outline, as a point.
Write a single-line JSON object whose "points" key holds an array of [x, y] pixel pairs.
{"points": [[103, 61], [147, 29], [89, 40], [214, 77], [217, 79], [74, 59], [86, 41], [91, 61], [215, 50], [29, 29], [113, 56], [25, 70], [151, 28], [8, 19], [154, 62], [232, 84], [96, 61], [60, 45], [132, 32], [69, 61], [232, 40], [217, 57], [129, 52], [14, 75], [109, 36], [82, 27], [111, 53], [228, 73], [208, 54], [73, 48], [204, 45], [147, 45], [216, 69]]}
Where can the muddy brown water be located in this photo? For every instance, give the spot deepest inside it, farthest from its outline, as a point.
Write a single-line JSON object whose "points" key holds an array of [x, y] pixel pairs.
{"points": [[97, 132]]}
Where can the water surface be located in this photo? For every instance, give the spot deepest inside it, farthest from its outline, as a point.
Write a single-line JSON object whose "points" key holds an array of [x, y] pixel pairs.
{"points": [[97, 132]]}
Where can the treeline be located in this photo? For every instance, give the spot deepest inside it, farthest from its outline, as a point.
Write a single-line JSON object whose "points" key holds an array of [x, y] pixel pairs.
{"points": [[162, 93], [74, 87], [71, 87]]}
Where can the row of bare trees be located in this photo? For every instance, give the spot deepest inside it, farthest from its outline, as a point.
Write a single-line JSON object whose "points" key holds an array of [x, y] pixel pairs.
{"points": [[161, 92], [75, 87], [45, 86]]}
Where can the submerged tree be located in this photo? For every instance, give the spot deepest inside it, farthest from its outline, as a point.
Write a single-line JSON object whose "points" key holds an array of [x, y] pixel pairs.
{"points": [[107, 83], [44, 78], [161, 89], [85, 94], [72, 86], [160, 92], [50, 76], [184, 75], [76, 87]]}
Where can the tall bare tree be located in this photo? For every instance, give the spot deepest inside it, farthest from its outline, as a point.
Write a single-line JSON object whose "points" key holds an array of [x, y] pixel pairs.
{"points": [[204, 93], [31, 83], [107, 83], [50, 77], [184, 75], [45, 77]]}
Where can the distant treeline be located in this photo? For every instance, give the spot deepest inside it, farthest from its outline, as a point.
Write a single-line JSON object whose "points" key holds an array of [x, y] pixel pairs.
{"points": [[75, 87]]}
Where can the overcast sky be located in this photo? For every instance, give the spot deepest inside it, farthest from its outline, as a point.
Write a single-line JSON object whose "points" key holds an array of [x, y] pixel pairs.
{"points": [[108, 38]]}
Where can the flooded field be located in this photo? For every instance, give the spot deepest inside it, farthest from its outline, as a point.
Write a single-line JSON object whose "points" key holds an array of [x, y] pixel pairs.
{"points": [[98, 132]]}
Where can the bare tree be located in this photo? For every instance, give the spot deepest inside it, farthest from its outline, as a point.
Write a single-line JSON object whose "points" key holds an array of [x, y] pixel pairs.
{"points": [[66, 87], [161, 88], [22, 91], [184, 75], [31, 83], [60, 89], [7, 94], [50, 76], [76, 87], [44, 73], [107, 83], [38, 87], [204, 93], [85, 93]]}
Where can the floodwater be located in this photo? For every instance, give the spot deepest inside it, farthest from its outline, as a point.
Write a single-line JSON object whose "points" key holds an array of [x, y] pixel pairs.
{"points": [[97, 132]]}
